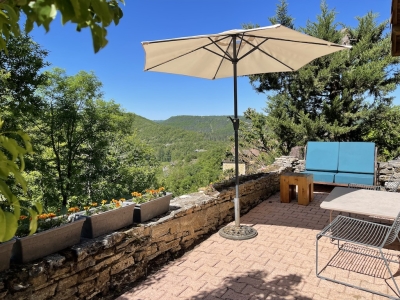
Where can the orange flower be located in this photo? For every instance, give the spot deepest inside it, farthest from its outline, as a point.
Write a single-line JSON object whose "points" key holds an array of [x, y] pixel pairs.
{"points": [[117, 204], [51, 215], [73, 209], [43, 216], [22, 217], [93, 204]]}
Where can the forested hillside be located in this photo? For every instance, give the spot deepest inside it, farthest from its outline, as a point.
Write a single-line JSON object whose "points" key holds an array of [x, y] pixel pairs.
{"points": [[189, 159], [171, 142], [214, 128]]}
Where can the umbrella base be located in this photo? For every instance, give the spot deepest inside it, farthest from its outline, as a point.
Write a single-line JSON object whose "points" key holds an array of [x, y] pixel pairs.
{"points": [[241, 232]]}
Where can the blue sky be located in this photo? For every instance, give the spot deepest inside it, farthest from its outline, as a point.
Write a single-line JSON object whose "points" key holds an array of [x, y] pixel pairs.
{"points": [[158, 96]]}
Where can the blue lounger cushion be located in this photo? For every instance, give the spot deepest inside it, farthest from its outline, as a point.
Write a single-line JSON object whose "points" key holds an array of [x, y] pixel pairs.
{"points": [[354, 178], [356, 157], [322, 156], [321, 176]]}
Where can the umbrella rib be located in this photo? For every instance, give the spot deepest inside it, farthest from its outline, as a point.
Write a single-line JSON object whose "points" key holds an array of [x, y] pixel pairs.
{"points": [[254, 48], [216, 53], [270, 55], [220, 63], [240, 46], [222, 50], [194, 50], [296, 41]]}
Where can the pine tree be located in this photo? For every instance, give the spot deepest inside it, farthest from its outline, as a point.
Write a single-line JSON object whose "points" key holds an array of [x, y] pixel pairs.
{"points": [[334, 97]]}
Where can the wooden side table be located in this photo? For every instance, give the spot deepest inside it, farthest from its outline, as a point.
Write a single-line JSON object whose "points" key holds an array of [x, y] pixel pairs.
{"points": [[305, 185]]}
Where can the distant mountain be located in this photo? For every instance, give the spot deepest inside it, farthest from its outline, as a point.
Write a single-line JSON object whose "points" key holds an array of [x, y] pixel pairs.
{"points": [[216, 128]]}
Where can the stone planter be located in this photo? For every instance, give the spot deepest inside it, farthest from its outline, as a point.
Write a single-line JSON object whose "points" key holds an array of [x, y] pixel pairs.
{"points": [[46, 242], [148, 210], [108, 221], [5, 254]]}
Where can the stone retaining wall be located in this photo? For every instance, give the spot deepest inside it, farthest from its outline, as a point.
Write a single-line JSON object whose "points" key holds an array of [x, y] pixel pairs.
{"points": [[105, 265]]}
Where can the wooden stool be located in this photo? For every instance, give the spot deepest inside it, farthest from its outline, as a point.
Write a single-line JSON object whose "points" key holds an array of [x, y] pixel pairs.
{"points": [[288, 187]]}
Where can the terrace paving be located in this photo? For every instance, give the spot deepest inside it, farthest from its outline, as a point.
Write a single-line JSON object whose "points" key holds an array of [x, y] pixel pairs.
{"points": [[278, 264]]}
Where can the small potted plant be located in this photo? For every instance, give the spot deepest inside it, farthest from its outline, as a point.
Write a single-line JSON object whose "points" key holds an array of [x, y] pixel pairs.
{"points": [[106, 217], [151, 203]]}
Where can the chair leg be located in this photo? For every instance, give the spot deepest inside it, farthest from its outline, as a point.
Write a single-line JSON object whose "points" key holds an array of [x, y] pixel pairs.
{"points": [[390, 272]]}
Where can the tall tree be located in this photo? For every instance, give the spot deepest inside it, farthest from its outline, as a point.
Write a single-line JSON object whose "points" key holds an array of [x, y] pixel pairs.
{"points": [[73, 126], [22, 68]]}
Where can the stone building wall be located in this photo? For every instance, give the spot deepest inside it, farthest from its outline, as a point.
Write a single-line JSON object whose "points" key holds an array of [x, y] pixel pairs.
{"points": [[105, 265]]}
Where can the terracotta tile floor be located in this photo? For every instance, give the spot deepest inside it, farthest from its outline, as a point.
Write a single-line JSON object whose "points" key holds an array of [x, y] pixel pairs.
{"points": [[278, 264]]}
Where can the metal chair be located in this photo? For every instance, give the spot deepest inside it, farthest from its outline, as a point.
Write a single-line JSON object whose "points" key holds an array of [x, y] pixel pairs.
{"points": [[364, 234]]}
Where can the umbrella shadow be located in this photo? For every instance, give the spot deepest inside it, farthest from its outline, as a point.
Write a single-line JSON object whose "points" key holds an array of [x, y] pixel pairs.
{"points": [[256, 285]]}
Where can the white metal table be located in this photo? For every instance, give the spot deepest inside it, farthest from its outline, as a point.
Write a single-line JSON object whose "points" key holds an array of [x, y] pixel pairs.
{"points": [[364, 202]]}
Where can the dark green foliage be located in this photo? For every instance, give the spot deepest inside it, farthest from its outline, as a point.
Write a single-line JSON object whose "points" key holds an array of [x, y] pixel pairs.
{"points": [[189, 177], [85, 147], [22, 70], [383, 128]]}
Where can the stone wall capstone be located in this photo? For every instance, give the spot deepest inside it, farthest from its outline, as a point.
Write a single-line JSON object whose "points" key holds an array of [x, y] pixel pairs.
{"points": [[106, 265]]}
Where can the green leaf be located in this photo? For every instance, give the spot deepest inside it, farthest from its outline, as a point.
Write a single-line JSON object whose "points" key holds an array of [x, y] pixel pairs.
{"points": [[11, 226], [39, 207], [33, 223], [5, 190]]}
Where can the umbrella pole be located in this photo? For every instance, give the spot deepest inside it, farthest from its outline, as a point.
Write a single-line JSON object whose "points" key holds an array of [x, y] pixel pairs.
{"points": [[236, 232], [236, 128]]}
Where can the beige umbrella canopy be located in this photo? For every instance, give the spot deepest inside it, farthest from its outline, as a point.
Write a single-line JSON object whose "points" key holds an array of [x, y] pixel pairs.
{"points": [[236, 53]]}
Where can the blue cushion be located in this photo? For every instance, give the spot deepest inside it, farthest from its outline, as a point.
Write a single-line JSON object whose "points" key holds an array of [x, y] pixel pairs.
{"points": [[322, 156], [356, 157], [354, 178], [321, 176]]}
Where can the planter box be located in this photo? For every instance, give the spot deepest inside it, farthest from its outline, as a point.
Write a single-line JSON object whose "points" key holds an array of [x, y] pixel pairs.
{"points": [[47, 242], [148, 210], [107, 221], [5, 254]]}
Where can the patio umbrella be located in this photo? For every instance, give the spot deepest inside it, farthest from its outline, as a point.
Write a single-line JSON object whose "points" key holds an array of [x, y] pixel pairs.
{"points": [[236, 53]]}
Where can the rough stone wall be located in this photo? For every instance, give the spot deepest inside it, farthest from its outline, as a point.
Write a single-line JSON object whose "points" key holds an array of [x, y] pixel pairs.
{"points": [[105, 265], [385, 169]]}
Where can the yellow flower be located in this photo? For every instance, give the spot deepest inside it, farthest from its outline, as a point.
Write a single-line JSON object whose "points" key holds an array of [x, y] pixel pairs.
{"points": [[93, 204], [103, 202], [86, 207], [122, 199]]}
